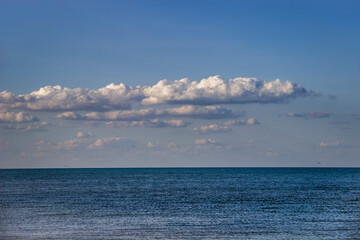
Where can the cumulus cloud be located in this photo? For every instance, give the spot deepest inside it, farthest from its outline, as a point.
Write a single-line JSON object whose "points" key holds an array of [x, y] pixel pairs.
{"points": [[208, 112], [309, 115], [208, 91], [57, 98], [107, 142], [13, 117], [215, 90], [224, 126]]}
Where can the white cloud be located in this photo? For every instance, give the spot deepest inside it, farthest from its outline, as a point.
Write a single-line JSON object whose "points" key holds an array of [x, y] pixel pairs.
{"points": [[13, 117], [215, 90], [208, 91], [57, 98], [309, 115], [208, 112]]}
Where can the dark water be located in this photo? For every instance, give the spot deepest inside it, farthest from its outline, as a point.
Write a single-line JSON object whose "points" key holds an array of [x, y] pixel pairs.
{"points": [[213, 203]]}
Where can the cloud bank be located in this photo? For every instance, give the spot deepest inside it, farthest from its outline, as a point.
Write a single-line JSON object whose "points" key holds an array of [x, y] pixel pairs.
{"points": [[208, 91], [208, 112], [152, 123]]}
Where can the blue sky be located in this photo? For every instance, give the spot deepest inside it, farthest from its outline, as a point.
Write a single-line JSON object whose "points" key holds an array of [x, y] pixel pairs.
{"points": [[238, 115]]}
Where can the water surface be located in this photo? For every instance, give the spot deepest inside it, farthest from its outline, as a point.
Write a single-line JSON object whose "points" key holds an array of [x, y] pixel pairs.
{"points": [[180, 203]]}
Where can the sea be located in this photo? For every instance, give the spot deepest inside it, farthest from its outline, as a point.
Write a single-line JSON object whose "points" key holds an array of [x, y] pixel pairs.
{"points": [[180, 203]]}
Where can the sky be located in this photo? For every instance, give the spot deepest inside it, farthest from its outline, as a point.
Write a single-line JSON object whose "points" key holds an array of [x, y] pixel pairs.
{"points": [[179, 84]]}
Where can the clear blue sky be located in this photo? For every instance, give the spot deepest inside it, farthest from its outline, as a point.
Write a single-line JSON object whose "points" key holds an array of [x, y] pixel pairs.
{"points": [[90, 44]]}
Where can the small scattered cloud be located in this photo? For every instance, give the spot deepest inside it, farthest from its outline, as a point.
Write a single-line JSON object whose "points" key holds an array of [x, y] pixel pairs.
{"points": [[224, 126], [19, 117], [172, 146], [107, 142], [36, 126], [68, 144], [152, 144], [85, 135], [309, 115], [204, 141], [333, 144], [43, 145], [208, 143], [239, 122], [213, 128]]}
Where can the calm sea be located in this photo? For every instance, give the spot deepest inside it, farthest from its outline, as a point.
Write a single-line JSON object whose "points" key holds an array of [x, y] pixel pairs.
{"points": [[182, 203]]}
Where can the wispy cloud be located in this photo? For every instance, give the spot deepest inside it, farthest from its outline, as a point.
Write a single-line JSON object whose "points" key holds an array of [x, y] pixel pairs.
{"points": [[333, 144], [204, 141], [309, 115]]}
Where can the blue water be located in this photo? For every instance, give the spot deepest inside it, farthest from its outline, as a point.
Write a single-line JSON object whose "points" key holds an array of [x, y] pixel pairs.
{"points": [[198, 203]]}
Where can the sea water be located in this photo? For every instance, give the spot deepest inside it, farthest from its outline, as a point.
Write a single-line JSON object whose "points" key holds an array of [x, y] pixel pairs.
{"points": [[180, 203]]}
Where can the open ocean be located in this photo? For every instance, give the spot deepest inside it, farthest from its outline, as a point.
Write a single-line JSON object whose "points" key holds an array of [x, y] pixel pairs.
{"points": [[180, 203]]}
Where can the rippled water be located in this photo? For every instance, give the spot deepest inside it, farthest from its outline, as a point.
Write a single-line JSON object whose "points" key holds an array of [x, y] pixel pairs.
{"points": [[198, 203]]}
